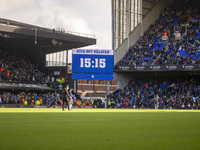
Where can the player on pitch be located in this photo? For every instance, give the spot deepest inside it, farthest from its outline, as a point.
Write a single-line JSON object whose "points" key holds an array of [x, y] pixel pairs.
{"points": [[65, 97]]}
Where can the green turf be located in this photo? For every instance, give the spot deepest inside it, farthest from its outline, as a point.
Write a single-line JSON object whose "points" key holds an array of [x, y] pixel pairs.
{"points": [[100, 130]]}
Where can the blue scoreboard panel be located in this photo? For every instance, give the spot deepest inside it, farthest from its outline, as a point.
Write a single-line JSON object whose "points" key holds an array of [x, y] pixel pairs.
{"points": [[92, 64]]}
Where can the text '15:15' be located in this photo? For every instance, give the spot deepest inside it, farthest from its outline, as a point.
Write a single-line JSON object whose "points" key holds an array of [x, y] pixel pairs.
{"points": [[89, 63]]}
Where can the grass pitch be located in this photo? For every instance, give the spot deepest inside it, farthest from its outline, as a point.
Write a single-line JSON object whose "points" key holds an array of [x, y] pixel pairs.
{"points": [[97, 129]]}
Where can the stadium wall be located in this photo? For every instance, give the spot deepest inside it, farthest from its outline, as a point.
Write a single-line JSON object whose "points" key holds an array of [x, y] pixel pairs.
{"points": [[120, 52], [135, 35], [122, 79]]}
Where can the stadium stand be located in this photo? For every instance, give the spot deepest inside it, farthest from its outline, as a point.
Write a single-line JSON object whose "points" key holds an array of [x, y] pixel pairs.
{"points": [[172, 92], [16, 67], [150, 49], [182, 92]]}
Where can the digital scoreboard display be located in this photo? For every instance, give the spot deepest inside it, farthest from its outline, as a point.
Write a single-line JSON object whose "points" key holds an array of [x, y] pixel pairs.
{"points": [[92, 64]]}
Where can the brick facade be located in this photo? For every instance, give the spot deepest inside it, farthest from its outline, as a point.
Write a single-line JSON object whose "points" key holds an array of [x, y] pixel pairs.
{"points": [[95, 88]]}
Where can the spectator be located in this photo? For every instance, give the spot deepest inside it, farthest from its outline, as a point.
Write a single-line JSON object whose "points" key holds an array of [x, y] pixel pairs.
{"points": [[168, 93]]}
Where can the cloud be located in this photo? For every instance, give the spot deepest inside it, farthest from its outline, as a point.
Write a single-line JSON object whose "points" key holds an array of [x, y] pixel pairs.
{"points": [[88, 16], [55, 20], [9, 5]]}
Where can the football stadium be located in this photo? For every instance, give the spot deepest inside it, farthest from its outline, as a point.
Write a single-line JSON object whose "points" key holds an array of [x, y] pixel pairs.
{"points": [[143, 93]]}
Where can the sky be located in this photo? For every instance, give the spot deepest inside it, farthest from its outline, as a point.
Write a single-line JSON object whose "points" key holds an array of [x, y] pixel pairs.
{"points": [[83, 16]]}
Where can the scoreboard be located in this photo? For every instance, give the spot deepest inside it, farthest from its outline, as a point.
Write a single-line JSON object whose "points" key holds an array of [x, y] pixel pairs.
{"points": [[92, 64]]}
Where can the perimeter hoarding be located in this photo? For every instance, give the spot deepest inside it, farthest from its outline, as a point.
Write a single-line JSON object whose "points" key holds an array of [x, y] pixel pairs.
{"points": [[170, 67], [91, 64]]}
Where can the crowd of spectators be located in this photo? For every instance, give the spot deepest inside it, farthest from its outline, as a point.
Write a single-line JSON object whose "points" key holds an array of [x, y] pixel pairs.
{"points": [[16, 67], [55, 98], [32, 98], [183, 92], [150, 50]]}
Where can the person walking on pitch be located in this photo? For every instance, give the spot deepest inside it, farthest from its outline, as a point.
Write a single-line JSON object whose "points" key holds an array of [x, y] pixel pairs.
{"points": [[65, 97]]}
